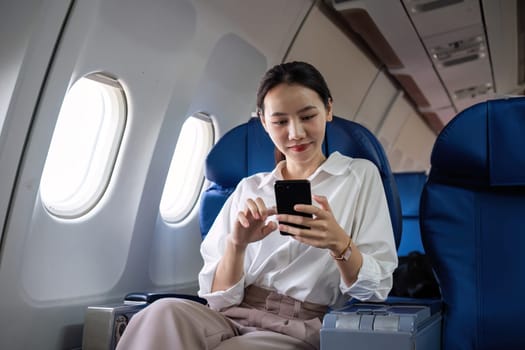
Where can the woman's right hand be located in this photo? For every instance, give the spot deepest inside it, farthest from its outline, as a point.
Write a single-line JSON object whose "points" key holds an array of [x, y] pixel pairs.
{"points": [[251, 223]]}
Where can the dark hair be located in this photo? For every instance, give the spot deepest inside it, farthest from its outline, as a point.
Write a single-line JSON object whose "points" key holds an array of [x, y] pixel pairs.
{"points": [[296, 72], [300, 73]]}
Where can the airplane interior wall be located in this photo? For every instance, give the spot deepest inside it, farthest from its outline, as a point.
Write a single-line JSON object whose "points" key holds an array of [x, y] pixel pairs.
{"points": [[173, 58], [363, 92]]}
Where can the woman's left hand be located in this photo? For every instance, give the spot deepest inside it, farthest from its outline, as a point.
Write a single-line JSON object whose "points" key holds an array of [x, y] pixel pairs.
{"points": [[323, 232]]}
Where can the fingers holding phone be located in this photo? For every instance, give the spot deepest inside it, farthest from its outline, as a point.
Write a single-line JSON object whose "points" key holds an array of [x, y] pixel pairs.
{"points": [[296, 213], [288, 193]]}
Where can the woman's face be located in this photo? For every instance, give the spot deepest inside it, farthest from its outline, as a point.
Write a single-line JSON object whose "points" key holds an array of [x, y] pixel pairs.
{"points": [[295, 118]]}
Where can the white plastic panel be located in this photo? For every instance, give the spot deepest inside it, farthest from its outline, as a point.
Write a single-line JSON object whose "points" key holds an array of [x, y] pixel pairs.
{"points": [[445, 115], [18, 19], [347, 70], [227, 87], [268, 25], [461, 14], [159, 46], [24, 58], [406, 138], [415, 141], [399, 112], [66, 259], [502, 36], [230, 74], [377, 102]]}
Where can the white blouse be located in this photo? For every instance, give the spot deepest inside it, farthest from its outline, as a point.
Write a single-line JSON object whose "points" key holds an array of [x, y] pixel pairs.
{"points": [[355, 193]]}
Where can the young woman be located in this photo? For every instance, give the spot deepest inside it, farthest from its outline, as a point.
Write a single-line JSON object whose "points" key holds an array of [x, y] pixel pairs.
{"points": [[270, 291]]}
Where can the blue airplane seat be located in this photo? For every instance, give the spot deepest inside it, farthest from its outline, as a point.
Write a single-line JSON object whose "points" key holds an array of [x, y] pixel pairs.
{"points": [[410, 186], [247, 149], [472, 217]]}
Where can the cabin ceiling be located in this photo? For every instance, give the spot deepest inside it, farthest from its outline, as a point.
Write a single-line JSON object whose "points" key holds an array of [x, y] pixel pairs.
{"points": [[446, 54]]}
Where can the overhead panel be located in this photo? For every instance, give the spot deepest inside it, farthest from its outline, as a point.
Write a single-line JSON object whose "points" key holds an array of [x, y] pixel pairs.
{"points": [[447, 54], [395, 39], [348, 72], [505, 28], [454, 37]]}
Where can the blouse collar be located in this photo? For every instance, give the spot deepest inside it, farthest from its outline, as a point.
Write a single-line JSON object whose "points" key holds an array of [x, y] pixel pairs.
{"points": [[335, 164]]}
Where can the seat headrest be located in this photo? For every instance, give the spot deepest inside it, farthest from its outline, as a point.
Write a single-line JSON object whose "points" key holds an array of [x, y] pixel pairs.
{"points": [[483, 146], [252, 147], [243, 151], [353, 139]]}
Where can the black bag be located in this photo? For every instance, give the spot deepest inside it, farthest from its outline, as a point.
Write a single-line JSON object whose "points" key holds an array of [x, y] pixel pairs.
{"points": [[414, 278]]}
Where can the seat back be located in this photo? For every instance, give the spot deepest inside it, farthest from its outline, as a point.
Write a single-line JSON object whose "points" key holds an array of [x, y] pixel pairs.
{"points": [[473, 225], [247, 149], [410, 185]]}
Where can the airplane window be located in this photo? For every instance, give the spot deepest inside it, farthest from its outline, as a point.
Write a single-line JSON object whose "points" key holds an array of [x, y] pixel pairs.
{"points": [[186, 174], [84, 146]]}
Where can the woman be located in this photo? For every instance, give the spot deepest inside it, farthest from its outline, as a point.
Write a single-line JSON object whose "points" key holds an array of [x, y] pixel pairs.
{"points": [[266, 290]]}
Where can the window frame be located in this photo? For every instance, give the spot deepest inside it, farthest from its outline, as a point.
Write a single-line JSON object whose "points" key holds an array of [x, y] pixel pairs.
{"points": [[97, 176], [166, 213]]}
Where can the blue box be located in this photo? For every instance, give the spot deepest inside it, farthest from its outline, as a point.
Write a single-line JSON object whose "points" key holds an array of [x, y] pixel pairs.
{"points": [[381, 326]]}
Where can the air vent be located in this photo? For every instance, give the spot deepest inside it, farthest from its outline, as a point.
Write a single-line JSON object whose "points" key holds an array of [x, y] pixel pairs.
{"points": [[459, 51], [473, 91], [426, 5]]}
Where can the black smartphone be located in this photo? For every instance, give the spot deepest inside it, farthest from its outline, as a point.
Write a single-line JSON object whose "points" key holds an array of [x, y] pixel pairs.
{"points": [[289, 193]]}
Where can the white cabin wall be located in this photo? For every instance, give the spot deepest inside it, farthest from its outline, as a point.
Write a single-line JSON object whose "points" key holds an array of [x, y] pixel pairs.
{"points": [[415, 141], [173, 58], [376, 105], [226, 77], [391, 128], [52, 265], [28, 34], [238, 50], [18, 20]]}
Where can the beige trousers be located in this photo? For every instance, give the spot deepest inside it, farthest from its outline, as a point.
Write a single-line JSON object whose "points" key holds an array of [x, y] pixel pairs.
{"points": [[264, 320]]}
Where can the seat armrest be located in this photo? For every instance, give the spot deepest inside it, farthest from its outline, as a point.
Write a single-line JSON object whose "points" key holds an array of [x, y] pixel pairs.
{"points": [[150, 297], [435, 305], [403, 324]]}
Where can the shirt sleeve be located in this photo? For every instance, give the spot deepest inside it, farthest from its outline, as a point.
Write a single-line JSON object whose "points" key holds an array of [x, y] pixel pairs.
{"points": [[372, 233], [212, 249]]}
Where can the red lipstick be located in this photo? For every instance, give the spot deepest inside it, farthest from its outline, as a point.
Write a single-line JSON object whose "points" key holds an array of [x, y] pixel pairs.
{"points": [[299, 148]]}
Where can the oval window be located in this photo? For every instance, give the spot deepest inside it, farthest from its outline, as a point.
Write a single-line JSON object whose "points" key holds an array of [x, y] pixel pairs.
{"points": [[186, 174], [84, 146]]}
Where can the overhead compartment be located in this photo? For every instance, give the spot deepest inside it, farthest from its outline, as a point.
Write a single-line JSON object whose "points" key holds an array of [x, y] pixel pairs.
{"points": [[438, 49], [505, 27], [453, 34]]}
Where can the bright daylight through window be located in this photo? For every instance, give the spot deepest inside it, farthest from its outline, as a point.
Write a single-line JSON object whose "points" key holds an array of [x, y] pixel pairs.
{"points": [[84, 147], [186, 174]]}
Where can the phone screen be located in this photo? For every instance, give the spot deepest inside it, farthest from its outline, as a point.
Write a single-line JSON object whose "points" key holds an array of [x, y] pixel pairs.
{"points": [[289, 193]]}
